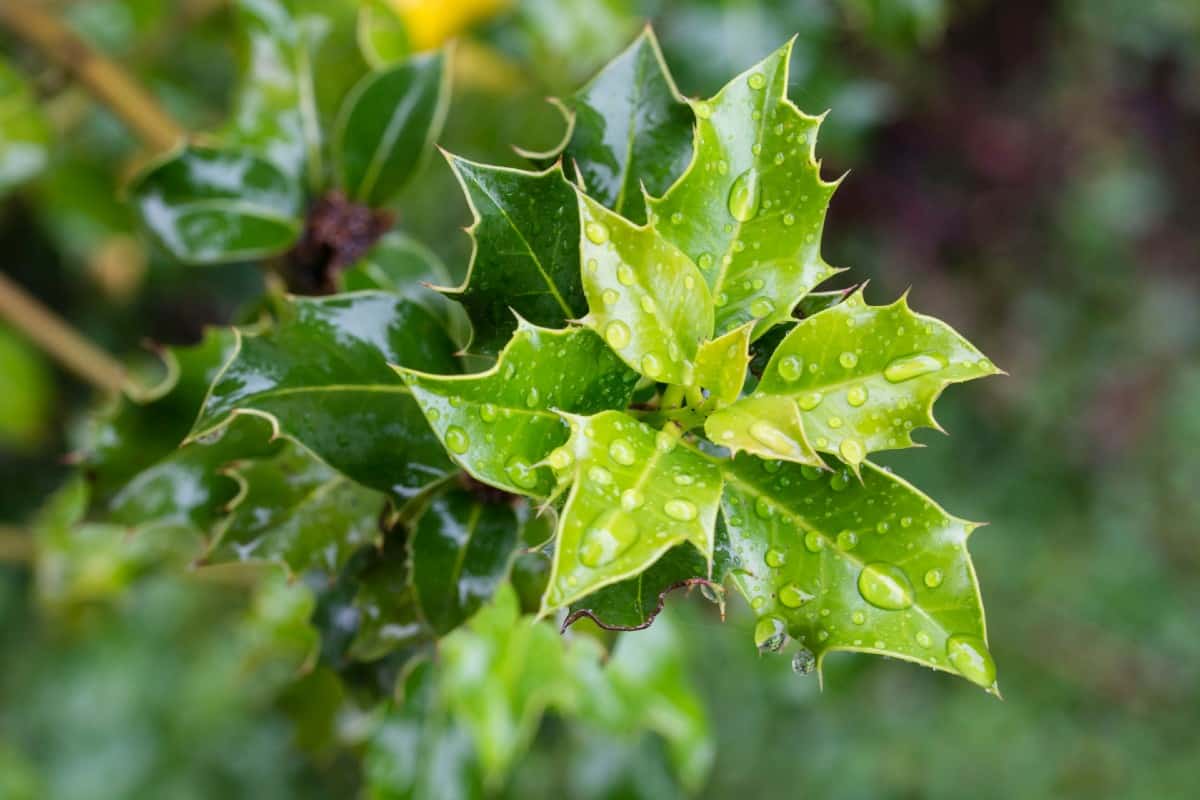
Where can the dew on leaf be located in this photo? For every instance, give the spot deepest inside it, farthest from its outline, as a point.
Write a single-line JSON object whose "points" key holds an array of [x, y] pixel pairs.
{"points": [[847, 540], [561, 459], [651, 365], [803, 661], [933, 578], [632, 499], [597, 232], [680, 510], [792, 596], [857, 396], [488, 412], [924, 639], [885, 586], [625, 275], [599, 475], [616, 333], [809, 400], [814, 542], [647, 304], [762, 508], [457, 439], [745, 196], [612, 534], [621, 451], [848, 360], [971, 658], [852, 451], [761, 307], [770, 634], [521, 473], [905, 369], [610, 297], [772, 438], [775, 558], [756, 81], [858, 618]]}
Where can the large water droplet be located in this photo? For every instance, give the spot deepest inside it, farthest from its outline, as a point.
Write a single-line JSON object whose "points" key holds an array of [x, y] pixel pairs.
{"points": [[597, 232], [792, 596], [791, 368], [680, 510], [803, 661], [745, 196], [852, 451], [848, 360], [616, 333], [625, 275], [612, 534], [933, 578], [772, 438], [521, 473], [904, 369], [814, 542], [856, 396], [632, 499], [970, 656], [457, 439], [561, 458], [756, 80], [651, 365], [775, 558], [621, 451], [885, 586], [488, 412], [809, 400], [770, 634]]}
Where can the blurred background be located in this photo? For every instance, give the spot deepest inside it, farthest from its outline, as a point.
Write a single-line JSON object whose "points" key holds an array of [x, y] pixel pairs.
{"points": [[1029, 167]]}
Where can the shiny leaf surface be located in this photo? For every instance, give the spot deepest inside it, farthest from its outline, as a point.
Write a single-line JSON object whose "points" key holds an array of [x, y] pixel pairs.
{"points": [[388, 125], [210, 206], [501, 423], [646, 298], [842, 564], [766, 425], [526, 251], [721, 365], [750, 208], [635, 494]]}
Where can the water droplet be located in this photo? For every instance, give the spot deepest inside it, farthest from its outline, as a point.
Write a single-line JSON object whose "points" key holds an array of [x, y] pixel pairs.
{"points": [[647, 304], [599, 475], [792, 596], [621, 451], [835, 422], [771, 466], [852, 451], [848, 360], [803, 661], [610, 297], [809, 400], [632, 499], [885, 586], [789, 218], [847, 540], [616, 333], [858, 618], [521, 473], [904, 369], [561, 459], [592, 265], [677, 218], [612, 534], [882, 528], [772, 438], [532, 398], [745, 196], [680, 510], [924, 639], [625, 275], [970, 656], [811, 473], [651, 365], [840, 481], [775, 558], [761, 307], [762, 508], [906, 522], [770, 634], [434, 415], [597, 232], [683, 479], [756, 81], [857, 396], [457, 439], [934, 578], [488, 412], [664, 442], [705, 261]]}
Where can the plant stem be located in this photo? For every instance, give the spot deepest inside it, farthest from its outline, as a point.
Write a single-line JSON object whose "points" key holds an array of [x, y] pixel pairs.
{"points": [[102, 77], [58, 339], [672, 398]]}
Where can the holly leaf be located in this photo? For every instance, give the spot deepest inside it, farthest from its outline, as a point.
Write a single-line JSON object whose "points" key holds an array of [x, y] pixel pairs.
{"points": [[646, 298], [322, 375], [388, 125], [635, 494], [842, 564], [633, 604], [500, 423], [296, 511], [214, 206], [526, 251], [461, 551], [864, 377], [721, 365], [631, 130], [24, 131], [766, 425], [750, 208]]}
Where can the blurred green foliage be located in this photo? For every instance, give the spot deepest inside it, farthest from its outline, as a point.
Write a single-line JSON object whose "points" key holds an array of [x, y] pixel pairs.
{"points": [[1031, 166]]}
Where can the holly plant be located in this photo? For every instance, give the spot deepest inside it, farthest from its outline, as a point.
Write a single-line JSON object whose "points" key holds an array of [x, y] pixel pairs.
{"points": [[640, 386]]}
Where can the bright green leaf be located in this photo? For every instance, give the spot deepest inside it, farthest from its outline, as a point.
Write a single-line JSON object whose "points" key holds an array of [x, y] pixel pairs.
{"points": [[750, 208], [209, 206], [632, 130], [646, 298], [322, 375], [864, 377], [872, 566], [766, 425], [636, 493], [499, 424], [526, 251], [721, 365], [388, 125]]}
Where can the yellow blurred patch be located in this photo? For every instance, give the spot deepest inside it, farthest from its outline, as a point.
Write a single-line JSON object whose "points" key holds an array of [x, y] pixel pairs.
{"points": [[430, 23]]}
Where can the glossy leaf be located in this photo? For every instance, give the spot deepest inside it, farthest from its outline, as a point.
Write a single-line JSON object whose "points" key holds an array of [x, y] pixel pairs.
{"points": [[322, 375], [766, 425], [721, 365], [631, 130], [388, 125], [646, 298], [501, 423], [24, 131], [526, 251], [296, 511], [872, 566], [635, 494], [461, 551], [750, 208], [382, 611], [274, 111], [634, 603], [864, 377], [209, 206]]}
